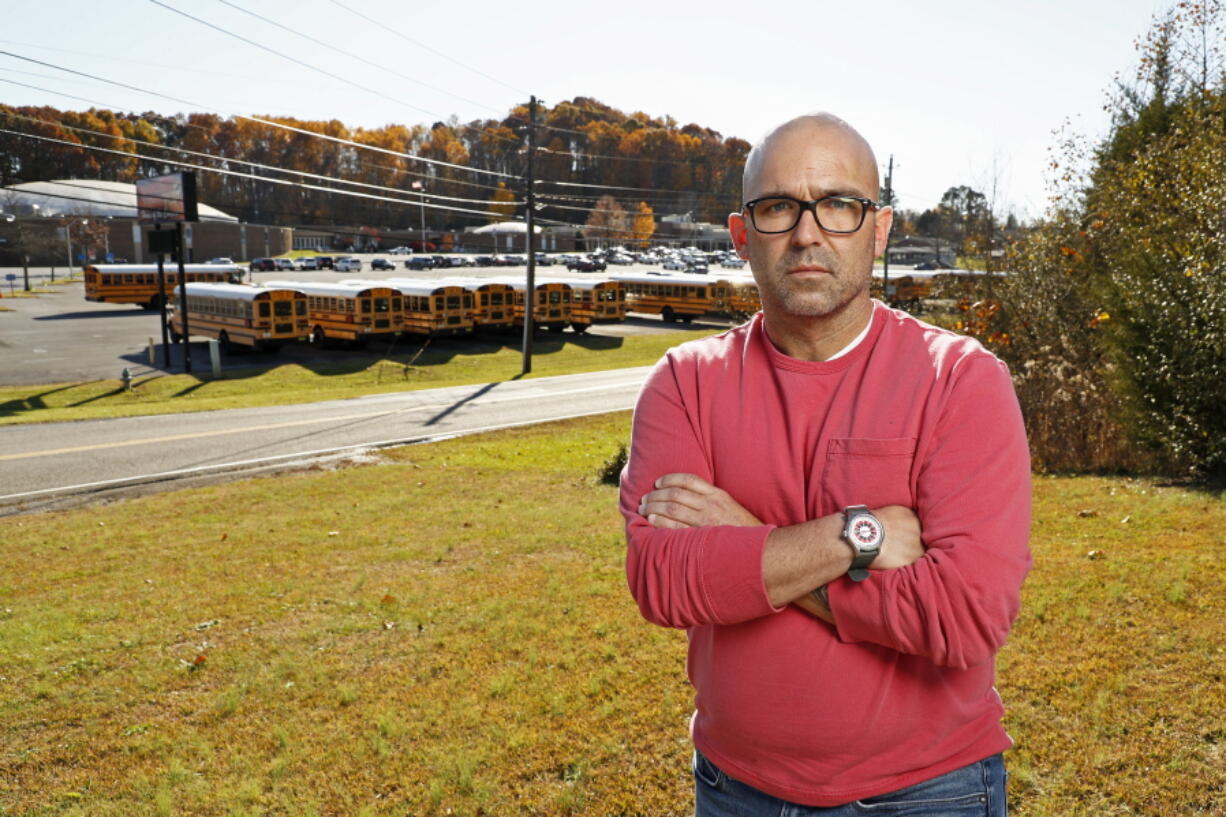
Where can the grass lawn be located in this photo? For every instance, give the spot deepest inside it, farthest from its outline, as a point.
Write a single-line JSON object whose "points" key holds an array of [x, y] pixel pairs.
{"points": [[448, 362], [449, 632]]}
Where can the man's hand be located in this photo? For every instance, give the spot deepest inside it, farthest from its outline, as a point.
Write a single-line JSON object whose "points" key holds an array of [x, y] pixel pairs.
{"points": [[902, 544], [688, 501]]}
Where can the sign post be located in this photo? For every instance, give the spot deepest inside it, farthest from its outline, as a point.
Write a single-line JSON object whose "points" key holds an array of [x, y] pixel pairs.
{"points": [[169, 199]]}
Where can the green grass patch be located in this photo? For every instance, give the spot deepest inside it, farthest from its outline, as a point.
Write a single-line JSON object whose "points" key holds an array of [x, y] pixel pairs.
{"points": [[450, 632], [450, 362]]}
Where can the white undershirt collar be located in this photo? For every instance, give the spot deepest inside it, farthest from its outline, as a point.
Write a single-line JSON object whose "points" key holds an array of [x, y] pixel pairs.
{"points": [[856, 342]]}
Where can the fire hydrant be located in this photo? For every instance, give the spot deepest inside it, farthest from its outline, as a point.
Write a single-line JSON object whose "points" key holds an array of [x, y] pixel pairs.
{"points": [[126, 377]]}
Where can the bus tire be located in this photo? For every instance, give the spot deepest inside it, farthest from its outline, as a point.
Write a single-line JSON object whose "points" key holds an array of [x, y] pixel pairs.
{"points": [[227, 348], [155, 303], [687, 318], [318, 338], [579, 328], [668, 315], [557, 327]]}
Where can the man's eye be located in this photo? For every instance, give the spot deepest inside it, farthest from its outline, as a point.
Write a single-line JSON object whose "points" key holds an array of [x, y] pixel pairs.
{"points": [[779, 205], [842, 204]]}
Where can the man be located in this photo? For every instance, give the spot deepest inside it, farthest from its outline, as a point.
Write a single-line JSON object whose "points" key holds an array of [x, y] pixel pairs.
{"points": [[834, 501]]}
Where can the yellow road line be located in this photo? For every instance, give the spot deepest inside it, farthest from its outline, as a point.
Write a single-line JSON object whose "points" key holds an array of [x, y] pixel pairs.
{"points": [[192, 436]]}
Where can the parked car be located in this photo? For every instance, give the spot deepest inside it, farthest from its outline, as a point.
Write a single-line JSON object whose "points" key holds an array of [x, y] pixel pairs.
{"points": [[284, 263], [306, 262], [925, 265], [674, 263], [485, 260], [586, 265], [420, 262], [262, 265], [697, 267], [543, 260], [324, 261], [381, 263], [222, 260], [732, 262], [401, 250], [347, 263]]}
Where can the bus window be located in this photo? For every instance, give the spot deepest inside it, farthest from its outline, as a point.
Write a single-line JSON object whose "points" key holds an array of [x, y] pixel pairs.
{"points": [[395, 304], [381, 304], [453, 301], [555, 297], [301, 310], [283, 309], [365, 305], [264, 311], [468, 302]]}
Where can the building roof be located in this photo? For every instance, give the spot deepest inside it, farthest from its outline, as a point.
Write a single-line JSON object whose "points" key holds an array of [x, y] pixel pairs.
{"points": [[83, 197]]}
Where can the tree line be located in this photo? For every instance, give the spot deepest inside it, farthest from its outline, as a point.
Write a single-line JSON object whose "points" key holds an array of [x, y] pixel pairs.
{"points": [[670, 168]]}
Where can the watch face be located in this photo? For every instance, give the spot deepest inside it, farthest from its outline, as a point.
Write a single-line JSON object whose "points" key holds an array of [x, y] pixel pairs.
{"points": [[865, 532]]}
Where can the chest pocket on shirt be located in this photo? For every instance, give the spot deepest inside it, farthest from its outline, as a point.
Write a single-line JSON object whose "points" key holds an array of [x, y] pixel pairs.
{"points": [[867, 471]]}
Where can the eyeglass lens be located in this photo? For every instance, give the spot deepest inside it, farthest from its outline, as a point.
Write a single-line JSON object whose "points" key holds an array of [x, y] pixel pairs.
{"points": [[834, 214]]}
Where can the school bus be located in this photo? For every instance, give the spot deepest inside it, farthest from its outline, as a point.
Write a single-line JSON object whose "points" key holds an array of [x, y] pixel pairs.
{"points": [[493, 303], [595, 301], [432, 307], [674, 297], [553, 306], [743, 295], [138, 283], [354, 311], [239, 315]]}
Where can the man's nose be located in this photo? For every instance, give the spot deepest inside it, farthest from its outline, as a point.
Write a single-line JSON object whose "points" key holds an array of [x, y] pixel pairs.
{"points": [[807, 231]]}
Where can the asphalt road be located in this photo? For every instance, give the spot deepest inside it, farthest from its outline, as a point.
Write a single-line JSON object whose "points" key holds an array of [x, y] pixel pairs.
{"points": [[59, 337], [42, 463]]}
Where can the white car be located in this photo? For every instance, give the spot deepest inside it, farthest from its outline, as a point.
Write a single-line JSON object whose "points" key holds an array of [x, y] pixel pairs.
{"points": [[284, 263], [674, 263], [732, 263], [306, 262], [347, 264], [401, 251]]}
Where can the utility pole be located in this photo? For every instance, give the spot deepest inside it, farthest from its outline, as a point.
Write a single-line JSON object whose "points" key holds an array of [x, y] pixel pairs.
{"points": [[889, 198], [530, 293]]}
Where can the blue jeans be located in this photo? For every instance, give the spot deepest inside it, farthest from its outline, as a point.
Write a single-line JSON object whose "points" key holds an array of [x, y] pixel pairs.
{"points": [[977, 790]]}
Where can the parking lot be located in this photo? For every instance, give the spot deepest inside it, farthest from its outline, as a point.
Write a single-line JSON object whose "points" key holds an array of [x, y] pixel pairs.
{"points": [[60, 337]]}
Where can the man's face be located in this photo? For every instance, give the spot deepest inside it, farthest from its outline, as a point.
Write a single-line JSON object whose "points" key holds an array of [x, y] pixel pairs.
{"points": [[807, 272]]}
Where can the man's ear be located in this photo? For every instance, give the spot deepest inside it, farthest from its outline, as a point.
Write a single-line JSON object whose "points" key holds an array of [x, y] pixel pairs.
{"points": [[881, 229], [739, 230]]}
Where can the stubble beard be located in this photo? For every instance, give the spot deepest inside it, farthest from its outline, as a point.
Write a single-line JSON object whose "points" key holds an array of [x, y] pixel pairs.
{"points": [[811, 297]]}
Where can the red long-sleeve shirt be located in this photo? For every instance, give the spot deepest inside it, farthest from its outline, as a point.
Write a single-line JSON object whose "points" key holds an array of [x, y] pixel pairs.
{"points": [[901, 689]]}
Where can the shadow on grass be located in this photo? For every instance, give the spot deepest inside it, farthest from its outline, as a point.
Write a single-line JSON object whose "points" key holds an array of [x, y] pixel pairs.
{"points": [[74, 316], [34, 402]]}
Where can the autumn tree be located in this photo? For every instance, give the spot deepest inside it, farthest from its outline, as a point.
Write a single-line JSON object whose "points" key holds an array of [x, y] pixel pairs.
{"points": [[502, 204], [644, 224], [1114, 321], [607, 220]]}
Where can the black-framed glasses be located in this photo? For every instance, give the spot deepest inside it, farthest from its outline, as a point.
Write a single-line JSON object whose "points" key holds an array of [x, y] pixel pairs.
{"points": [[834, 214]]}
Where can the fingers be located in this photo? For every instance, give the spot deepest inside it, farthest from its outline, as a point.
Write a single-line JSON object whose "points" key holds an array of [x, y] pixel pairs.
{"points": [[689, 482]]}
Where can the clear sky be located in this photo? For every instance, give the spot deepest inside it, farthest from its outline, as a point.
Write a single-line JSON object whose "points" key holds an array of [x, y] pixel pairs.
{"points": [[958, 91]]}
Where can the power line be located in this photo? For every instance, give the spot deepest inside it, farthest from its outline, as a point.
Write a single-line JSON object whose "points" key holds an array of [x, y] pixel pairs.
{"points": [[332, 47], [188, 125], [434, 51], [285, 182], [245, 162], [270, 123]]}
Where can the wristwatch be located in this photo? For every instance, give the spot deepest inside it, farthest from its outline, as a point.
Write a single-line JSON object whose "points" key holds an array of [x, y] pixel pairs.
{"points": [[865, 533]]}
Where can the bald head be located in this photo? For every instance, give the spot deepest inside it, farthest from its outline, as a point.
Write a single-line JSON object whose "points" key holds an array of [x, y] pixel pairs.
{"points": [[824, 128]]}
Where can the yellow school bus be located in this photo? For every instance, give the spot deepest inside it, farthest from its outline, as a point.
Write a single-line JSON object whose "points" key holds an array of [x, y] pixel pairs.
{"points": [[353, 311], [238, 315], [493, 303], [595, 301], [138, 283], [674, 296], [553, 306], [743, 296], [434, 307]]}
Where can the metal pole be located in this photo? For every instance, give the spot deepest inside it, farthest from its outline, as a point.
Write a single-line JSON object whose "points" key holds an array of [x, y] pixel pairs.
{"points": [[182, 307], [422, 205], [530, 294], [889, 197], [162, 308]]}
